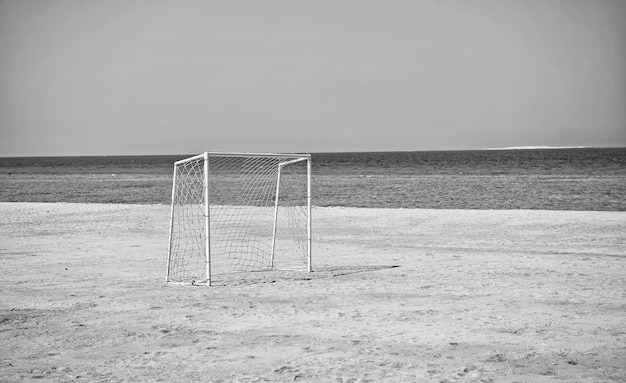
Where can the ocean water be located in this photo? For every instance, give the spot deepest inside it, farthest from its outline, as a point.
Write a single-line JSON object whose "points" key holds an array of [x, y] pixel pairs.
{"points": [[552, 179]]}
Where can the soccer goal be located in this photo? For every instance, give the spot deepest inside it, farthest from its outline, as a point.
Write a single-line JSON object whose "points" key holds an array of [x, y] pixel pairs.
{"points": [[239, 212]]}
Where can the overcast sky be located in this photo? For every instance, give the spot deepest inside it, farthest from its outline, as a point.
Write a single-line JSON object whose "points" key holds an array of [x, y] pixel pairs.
{"points": [[87, 77]]}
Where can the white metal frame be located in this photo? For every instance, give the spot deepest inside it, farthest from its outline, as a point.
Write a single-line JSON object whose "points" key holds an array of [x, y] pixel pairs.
{"points": [[295, 157]]}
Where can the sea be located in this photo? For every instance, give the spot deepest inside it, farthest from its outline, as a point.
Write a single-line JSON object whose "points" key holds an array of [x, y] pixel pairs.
{"points": [[590, 179]]}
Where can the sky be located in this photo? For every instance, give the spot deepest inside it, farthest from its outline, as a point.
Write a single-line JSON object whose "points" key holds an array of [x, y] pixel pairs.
{"points": [[116, 77]]}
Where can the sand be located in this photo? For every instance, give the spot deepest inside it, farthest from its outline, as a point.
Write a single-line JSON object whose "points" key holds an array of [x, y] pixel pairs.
{"points": [[397, 296]]}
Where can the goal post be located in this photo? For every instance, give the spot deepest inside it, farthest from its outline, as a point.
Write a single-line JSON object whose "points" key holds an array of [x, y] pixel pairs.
{"points": [[239, 212]]}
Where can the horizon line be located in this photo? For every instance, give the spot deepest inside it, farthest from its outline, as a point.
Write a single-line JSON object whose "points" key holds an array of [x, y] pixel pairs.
{"points": [[540, 147], [544, 147]]}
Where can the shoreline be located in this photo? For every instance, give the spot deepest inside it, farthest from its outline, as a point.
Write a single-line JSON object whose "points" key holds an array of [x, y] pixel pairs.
{"points": [[317, 207]]}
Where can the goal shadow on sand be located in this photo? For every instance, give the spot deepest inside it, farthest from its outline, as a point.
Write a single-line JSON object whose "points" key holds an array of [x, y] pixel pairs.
{"points": [[276, 276]]}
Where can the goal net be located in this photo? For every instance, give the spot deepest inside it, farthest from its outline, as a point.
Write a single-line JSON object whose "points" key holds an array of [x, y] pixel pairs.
{"points": [[236, 212]]}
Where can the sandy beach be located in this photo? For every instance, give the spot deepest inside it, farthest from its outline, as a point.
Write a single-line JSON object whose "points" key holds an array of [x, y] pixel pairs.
{"points": [[397, 295]]}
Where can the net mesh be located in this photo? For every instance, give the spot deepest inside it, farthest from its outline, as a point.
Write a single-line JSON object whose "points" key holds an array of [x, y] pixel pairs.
{"points": [[250, 199], [187, 260]]}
